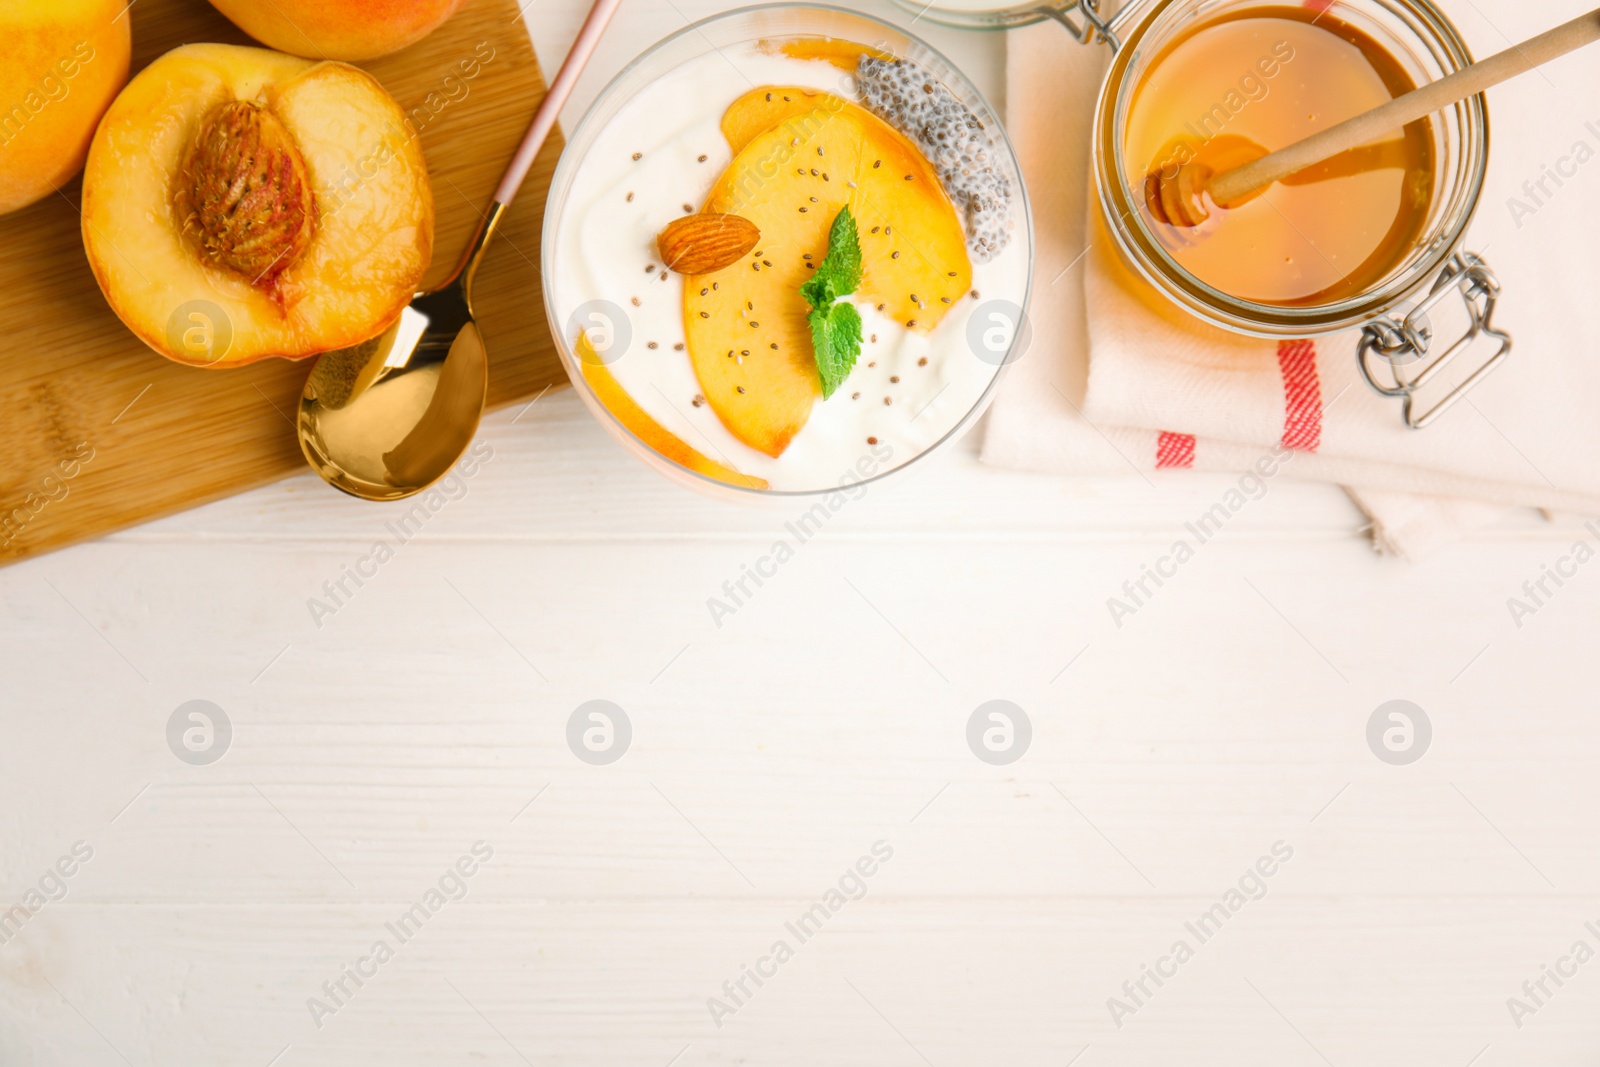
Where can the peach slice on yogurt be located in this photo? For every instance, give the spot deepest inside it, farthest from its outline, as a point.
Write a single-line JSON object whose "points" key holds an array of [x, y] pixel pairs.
{"points": [[760, 110], [746, 326], [639, 422]]}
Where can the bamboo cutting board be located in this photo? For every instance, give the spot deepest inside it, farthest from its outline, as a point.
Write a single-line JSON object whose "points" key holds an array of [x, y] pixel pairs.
{"points": [[162, 437]]}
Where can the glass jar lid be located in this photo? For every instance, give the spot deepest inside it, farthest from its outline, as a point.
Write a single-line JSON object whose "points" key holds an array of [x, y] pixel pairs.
{"points": [[1082, 17]]}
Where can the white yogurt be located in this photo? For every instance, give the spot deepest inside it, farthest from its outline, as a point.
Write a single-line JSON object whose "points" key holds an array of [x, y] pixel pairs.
{"points": [[606, 237]]}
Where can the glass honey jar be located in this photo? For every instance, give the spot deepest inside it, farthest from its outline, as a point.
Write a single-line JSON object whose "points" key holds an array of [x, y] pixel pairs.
{"points": [[1371, 240]]}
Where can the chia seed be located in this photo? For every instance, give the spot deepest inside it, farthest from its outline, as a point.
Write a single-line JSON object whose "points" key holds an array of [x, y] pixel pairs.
{"points": [[962, 152]]}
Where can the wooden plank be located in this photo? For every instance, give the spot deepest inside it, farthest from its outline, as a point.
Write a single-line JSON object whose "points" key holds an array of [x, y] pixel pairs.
{"points": [[166, 437], [887, 982], [794, 736]]}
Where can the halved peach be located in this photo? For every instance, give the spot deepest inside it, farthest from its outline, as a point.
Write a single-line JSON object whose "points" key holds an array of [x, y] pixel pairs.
{"points": [[746, 326], [638, 421], [283, 202]]}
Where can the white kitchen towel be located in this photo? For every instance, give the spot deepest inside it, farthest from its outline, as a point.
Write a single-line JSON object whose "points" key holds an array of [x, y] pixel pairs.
{"points": [[1168, 392], [1036, 422], [1415, 525]]}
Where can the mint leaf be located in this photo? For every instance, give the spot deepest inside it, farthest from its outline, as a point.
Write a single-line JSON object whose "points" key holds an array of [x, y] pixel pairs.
{"points": [[836, 340], [844, 253], [819, 289], [835, 327]]}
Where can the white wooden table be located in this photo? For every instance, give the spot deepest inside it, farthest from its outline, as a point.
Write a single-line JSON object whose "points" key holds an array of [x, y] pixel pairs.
{"points": [[430, 712]]}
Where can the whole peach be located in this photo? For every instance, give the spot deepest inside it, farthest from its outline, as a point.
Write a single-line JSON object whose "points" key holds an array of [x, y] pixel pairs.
{"points": [[338, 29], [63, 63]]}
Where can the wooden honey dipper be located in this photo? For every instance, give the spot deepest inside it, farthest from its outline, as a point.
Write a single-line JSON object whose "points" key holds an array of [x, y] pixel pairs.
{"points": [[1186, 199]]}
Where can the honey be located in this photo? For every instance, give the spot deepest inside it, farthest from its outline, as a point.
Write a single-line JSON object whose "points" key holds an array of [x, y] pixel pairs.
{"points": [[1234, 87]]}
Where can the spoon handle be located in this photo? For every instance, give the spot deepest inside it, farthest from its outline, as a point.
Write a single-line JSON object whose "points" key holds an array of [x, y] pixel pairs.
{"points": [[1352, 133], [544, 119]]}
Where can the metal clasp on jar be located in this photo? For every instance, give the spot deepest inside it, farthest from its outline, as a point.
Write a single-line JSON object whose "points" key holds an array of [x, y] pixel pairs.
{"points": [[1402, 344], [1094, 25]]}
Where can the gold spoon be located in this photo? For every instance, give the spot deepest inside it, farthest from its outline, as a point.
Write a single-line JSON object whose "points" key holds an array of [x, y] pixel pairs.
{"points": [[1186, 200], [388, 418]]}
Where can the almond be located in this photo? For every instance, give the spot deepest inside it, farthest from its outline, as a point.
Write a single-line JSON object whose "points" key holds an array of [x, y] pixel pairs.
{"points": [[700, 244], [242, 193]]}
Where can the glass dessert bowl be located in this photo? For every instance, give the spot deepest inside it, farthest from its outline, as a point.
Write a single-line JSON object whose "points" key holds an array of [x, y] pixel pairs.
{"points": [[787, 249]]}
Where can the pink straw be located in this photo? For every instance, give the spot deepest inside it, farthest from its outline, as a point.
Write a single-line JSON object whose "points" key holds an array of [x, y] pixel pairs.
{"points": [[544, 119]]}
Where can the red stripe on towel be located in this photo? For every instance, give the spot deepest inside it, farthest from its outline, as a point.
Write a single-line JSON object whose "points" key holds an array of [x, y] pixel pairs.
{"points": [[1175, 450], [1302, 395]]}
